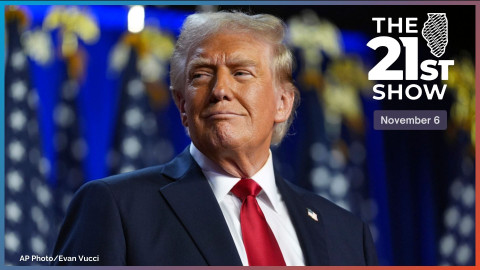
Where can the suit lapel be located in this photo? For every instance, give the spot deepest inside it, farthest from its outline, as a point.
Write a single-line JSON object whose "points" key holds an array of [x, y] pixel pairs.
{"points": [[311, 233], [192, 199]]}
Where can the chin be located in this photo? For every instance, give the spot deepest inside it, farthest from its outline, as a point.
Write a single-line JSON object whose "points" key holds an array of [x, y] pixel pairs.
{"points": [[227, 139], [225, 142]]}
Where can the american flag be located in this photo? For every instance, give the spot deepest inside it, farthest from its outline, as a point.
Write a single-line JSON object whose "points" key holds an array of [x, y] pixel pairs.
{"points": [[29, 229], [137, 141], [70, 148], [457, 243]]}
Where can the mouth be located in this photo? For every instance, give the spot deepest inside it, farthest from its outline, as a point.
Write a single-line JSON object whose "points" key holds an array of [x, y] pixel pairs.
{"points": [[221, 115]]}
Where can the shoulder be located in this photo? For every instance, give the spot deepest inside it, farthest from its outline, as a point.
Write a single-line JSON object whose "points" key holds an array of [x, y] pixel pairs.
{"points": [[343, 232], [126, 186], [104, 191], [138, 188], [147, 177], [331, 213], [144, 184]]}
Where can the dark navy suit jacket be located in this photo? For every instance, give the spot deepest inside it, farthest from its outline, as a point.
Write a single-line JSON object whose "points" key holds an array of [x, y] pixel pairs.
{"points": [[168, 215]]}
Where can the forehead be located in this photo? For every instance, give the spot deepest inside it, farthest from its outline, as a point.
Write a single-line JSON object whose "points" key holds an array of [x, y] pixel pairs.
{"points": [[232, 47]]}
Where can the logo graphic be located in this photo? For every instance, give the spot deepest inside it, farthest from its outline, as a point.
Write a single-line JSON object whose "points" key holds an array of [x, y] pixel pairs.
{"points": [[435, 32]]}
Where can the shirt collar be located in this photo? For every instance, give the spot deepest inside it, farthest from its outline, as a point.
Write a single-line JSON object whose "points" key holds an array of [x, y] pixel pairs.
{"points": [[221, 182]]}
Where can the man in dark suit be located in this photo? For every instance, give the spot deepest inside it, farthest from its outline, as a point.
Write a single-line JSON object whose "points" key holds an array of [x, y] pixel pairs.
{"points": [[220, 202]]}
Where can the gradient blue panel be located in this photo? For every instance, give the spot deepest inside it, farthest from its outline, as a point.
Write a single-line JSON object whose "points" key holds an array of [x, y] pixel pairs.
{"points": [[2, 131]]}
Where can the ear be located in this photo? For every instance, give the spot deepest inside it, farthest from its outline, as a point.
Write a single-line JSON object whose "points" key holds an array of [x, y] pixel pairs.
{"points": [[285, 100], [180, 102]]}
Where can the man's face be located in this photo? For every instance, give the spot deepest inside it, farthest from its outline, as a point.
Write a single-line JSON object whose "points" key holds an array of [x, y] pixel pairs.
{"points": [[230, 99]]}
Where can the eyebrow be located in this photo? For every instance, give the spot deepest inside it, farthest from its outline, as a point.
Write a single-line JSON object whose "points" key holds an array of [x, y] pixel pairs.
{"points": [[199, 62], [241, 61], [232, 61]]}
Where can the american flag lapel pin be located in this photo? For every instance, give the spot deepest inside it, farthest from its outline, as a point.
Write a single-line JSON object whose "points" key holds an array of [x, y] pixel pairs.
{"points": [[312, 214]]}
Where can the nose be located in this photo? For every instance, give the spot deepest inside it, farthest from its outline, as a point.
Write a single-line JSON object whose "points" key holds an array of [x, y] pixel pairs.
{"points": [[222, 88]]}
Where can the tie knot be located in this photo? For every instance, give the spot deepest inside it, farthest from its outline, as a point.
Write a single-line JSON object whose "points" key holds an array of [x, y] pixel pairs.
{"points": [[246, 187]]}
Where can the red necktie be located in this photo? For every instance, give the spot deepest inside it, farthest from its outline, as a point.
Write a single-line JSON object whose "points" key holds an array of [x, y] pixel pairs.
{"points": [[260, 243]]}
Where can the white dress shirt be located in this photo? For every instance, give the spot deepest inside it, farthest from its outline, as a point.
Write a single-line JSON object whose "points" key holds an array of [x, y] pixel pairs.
{"points": [[269, 199]]}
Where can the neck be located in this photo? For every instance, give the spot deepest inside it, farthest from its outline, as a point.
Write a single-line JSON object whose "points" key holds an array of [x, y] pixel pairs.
{"points": [[241, 163]]}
